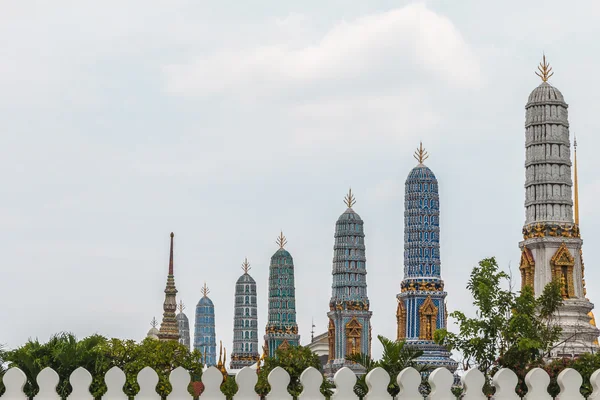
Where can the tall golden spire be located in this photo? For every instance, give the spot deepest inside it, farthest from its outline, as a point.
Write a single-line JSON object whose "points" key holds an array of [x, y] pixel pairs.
{"points": [[205, 290], [421, 155], [169, 328], [281, 241], [246, 266], [576, 184], [350, 200], [545, 70]]}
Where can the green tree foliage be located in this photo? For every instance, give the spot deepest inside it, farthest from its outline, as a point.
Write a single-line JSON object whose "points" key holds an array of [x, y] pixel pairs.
{"points": [[2, 368], [294, 361], [509, 330], [396, 356], [229, 388], [64, 354]]}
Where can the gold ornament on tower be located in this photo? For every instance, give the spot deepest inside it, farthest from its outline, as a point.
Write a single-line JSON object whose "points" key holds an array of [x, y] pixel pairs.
{"points": [[353, 336], [562, 263], [428, 319], [545, 70]]}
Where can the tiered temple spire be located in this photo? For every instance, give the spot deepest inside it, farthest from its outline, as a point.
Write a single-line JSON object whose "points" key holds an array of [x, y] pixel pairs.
{"points": [[349, 315], [169, 329], [184, 326], [551, 246], [204, 329], [421, 301], [281, 330], [245, 321]]}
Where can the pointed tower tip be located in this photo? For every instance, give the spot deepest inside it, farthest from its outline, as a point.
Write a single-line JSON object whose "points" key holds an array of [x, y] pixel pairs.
{"points": [[420, 154], [171, 256], [349, 200], [545, 70], [281, 240]]}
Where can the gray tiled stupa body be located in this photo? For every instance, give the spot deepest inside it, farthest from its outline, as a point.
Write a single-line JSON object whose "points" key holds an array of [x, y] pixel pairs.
{"points": [[549, 227], [349, 310], [245, 324], [184, 329]]}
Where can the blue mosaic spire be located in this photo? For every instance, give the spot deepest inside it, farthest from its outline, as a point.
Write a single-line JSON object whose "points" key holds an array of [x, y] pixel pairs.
{"points": [[421, 301], [282, 329], [349, 316], [245, 322], [204, 330]]}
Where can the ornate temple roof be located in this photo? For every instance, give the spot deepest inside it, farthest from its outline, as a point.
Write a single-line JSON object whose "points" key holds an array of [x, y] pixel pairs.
{"points": [[421, 173], [545, 94], [182, 316], [205, 301], [246, 278]]}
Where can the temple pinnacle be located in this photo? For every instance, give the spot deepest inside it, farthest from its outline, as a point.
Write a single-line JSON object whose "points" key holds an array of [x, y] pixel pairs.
{"points": [[171, 255], [350, 200], [420, 154], [205, 290], [281, 240], [545, 70], [246, 266]]}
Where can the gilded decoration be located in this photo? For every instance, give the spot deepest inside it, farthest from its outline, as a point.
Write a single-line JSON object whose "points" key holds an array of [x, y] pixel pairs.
{"points": [[540, 230], [401, 320], [428, 318], [412, 286], [353, 336], [331, 339], [351, 305], [288, 330], [562, 264], [527, 267], [284, 345]]}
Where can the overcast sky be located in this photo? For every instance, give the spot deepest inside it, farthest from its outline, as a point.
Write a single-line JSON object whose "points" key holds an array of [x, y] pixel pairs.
{"points": [[226, 121]]}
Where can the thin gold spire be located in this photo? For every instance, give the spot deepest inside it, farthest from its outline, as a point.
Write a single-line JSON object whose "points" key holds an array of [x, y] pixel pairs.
{"points": [[246, 266], [350, 200], [576, 184], [421, 155], [545, 70], [180, 307], [205, 290], [281, 240]]}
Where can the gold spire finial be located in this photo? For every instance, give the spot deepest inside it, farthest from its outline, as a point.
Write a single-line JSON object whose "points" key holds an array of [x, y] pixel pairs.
{"points": [[181, 307], [246, 266], [545, 70], [154, 322], [281, 240], [576, 184], [421, 155], [350, 200], [205, 290]]}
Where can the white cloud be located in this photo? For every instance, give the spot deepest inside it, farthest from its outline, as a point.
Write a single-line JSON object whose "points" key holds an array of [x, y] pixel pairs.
{"points": [[401, 44]]}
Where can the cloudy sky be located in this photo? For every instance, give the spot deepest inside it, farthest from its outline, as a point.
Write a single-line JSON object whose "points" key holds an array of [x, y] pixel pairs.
{"points": [[226, 121]]}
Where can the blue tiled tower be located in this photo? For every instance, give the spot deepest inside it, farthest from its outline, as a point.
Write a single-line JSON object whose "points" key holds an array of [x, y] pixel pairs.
{"points": [[245, 322], [421, 302], [349, 316], [204, 330], [282, 329]]}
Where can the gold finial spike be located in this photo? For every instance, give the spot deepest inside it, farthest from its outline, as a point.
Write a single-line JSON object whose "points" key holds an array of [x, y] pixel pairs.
{"points": [[205, 361], [246, 266], [421, 155], [281, 240], [154, 322], [576, 183], [181, 307], [350, 200], [545, 70], [205, 290]]}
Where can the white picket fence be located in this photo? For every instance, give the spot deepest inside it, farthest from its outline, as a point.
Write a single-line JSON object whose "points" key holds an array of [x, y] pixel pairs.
{"points": [[377, 380]]}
